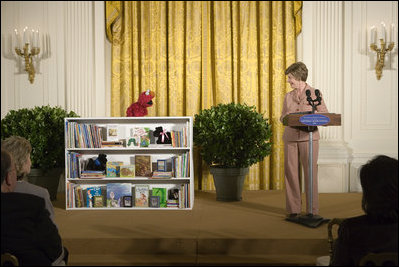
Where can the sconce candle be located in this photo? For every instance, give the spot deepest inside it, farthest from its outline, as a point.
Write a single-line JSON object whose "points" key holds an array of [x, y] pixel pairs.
{"points": [[28, 50], [17, 39], [392, 33], [385, 46], [383, 31], [372, 34]]}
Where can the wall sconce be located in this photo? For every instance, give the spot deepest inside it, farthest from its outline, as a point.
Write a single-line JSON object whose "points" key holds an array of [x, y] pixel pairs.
{"points": [[383, 46], [28, 49]]}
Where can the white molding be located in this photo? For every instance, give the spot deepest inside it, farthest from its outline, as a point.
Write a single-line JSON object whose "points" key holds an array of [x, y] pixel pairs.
{"points": [[99, 59]]}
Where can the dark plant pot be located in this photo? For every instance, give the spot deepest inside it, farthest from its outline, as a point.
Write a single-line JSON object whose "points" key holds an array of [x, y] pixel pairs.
{"points": [[48, 180], [229, 182]]}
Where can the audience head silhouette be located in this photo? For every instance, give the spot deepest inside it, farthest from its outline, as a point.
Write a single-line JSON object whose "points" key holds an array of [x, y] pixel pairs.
{"points": [[20, 149], [8, 177], [379, 180]]}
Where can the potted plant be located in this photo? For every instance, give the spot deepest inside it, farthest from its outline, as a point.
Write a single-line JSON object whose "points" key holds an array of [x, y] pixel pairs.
{"points": [[44, 127], [231, 138]]}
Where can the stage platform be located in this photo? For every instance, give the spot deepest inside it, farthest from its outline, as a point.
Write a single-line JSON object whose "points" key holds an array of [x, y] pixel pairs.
{"points": [[249, 232]]}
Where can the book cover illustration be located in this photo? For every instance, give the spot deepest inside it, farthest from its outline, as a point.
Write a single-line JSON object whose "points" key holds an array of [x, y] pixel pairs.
{"points": [[143, 165], [173, 194], [98, 201], [141, 196], [154, 201], [127, 171], [127, 201], [144, 141], [133, 142], [161, 165], [112, 132], [116, 192], [139, 137], [161, 192], [90, 193], [113, 168], [173, 198]]}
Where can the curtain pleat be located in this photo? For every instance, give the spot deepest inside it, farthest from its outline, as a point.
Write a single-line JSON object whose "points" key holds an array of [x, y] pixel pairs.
{"points": [[197, 54]]}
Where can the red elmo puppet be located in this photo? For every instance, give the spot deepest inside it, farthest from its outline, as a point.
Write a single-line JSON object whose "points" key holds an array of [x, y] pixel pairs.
{"points": [[139, 108]]}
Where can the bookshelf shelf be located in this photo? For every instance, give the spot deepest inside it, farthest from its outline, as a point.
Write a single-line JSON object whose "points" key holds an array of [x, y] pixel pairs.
{"points": [[85, 139]]}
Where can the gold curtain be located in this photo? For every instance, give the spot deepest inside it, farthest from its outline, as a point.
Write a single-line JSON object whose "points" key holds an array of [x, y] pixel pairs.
{"points": [[197, 54]]}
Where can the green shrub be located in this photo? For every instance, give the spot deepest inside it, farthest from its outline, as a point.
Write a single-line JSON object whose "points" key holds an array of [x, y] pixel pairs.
{"points": [[44, 128], [232, 135]]}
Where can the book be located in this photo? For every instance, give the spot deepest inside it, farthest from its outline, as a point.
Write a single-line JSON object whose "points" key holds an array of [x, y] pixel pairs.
{"points": [[127, 201], [116, 192], [98, 201], [160, 175], [173, 194], [133, 142], [161, 165], [141, 195], [112, 132], [113, 168], [118, 143], [143, 165], [161, 192], [127, 171], [154, 201], [92, 174], [144, 141], [90, 193]]}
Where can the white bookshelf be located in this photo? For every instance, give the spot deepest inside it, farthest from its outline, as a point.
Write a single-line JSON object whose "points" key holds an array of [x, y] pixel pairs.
{"points": [[126, 155]]}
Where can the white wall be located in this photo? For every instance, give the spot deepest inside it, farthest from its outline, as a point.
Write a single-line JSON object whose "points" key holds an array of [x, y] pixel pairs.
{"points": [[74, 76], [333, 44]]}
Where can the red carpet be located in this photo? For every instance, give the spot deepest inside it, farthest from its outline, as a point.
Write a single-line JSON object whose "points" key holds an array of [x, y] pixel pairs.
{"points": [[250, 232]]}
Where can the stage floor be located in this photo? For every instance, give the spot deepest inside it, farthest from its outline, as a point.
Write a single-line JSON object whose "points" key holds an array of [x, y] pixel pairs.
{"points": [[252, 231]]}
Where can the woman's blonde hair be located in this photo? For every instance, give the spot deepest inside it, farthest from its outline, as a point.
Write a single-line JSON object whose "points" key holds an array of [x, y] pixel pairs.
{"points": [[20, 150], [298, 70]]}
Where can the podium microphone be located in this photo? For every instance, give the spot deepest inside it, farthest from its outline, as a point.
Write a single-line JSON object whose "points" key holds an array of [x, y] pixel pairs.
{"points": [[308, 97], [318, 97]]}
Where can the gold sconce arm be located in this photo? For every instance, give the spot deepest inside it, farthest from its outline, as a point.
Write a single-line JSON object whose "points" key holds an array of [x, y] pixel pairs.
{"points": [[381, 56], [28, 56]]}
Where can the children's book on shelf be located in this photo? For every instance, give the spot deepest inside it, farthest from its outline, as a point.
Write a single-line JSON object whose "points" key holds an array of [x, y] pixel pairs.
{"points": [[92, 174], [127, 171], [144, 141], [113, 168], [173, 198], [161, 175], [133, 142], [139, 137], [90, 193], [127, 201], [161, 192], [116, 192], [143, 165], [117, 143], [141, 195], [98, 201], [161, 165], [112, 132], [154, 201]]}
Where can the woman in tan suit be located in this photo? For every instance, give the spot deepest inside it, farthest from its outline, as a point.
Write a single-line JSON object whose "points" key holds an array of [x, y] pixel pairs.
{"points": [[296, 142]]}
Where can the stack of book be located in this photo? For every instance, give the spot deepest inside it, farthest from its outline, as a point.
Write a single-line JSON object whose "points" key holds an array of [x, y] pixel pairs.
{"points": [[92, 174], [112, 144], [158, 174]]}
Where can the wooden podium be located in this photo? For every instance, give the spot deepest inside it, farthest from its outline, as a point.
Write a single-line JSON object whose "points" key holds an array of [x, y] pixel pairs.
{"points": [[293, 119], [309, 121]]}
